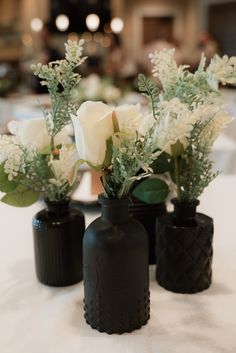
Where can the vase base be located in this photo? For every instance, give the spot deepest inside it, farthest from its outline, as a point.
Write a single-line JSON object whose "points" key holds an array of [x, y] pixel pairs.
{"points": [[117, 331], [60, 284], [183, 291]]}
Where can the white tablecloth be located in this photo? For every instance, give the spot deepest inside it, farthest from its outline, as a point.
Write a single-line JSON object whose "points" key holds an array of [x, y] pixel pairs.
{"points": [[35, 318], [224, 154]]}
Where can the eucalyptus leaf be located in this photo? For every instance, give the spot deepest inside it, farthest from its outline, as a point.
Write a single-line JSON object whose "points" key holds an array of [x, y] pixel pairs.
{"points": [[5, 184], [151, 191], [21, 197]]}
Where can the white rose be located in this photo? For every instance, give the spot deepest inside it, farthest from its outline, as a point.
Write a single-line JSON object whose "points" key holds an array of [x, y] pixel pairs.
{"points": [[93, 126], [63, 168], [34, 132], [128, 118]]}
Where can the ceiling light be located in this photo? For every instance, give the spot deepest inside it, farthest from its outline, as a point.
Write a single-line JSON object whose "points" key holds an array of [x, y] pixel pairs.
{"points": [[92, 22], [62, 22], [117, 25], [36, 24]]}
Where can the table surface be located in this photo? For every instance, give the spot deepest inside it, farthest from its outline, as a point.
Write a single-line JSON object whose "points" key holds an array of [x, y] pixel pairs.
{"points": [[35, 318]]}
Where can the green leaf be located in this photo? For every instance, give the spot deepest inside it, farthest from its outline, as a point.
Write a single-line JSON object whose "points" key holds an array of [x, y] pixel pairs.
{"points": [[151, 191], [177, 149], [5, 184], [21, 197], [162, 164], [108, 154]]}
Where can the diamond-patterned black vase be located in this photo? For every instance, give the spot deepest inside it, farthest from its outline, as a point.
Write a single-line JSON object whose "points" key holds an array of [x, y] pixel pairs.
{"points": [[184, 249]]}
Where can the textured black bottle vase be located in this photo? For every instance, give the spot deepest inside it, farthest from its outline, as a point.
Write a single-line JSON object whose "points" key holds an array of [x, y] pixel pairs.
{"points": [[116, 276], [58, 243], [184, 249], [147, 215]]}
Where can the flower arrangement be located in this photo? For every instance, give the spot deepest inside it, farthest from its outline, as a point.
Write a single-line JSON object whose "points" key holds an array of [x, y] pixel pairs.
{"points": [[189, 113], [39, 159], [117, 142]]}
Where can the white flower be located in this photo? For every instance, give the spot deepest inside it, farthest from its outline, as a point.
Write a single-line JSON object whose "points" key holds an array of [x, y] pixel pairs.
{"points": [[11, 155], [175, 123], [111, 93], [128, 118], [34, 132], [222, 70], [215, 124], [146, 123], [165, 67], [74, 51], [93, 126], [96, 122], [63, 166]]}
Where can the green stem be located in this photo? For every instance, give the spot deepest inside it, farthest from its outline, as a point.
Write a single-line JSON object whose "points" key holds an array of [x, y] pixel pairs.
{"points": [[52, 144], [177, 178]]}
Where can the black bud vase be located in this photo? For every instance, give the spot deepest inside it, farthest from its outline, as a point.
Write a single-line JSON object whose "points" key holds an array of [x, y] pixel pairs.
{"points": [[116, 276], [58, 240], [147, 214], [184, 249]]}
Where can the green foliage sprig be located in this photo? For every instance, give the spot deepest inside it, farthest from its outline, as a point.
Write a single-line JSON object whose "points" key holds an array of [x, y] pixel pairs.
{"points": [[195, 166], [195, 95], [149, 89], [60, 78], [129, 156]]}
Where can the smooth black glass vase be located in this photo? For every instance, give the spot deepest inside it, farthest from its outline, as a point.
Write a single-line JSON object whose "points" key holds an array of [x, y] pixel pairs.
{"points": [[58, 243], [147, 215], [116, 275], [184, 249]]}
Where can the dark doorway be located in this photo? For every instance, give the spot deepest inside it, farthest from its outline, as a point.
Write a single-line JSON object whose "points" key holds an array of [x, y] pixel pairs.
{"points": [[157, 28], [222, 26]]}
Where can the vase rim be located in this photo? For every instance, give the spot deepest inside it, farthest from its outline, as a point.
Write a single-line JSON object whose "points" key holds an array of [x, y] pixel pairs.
{"points": [[57, 203], [105, 201], [176, 201]]}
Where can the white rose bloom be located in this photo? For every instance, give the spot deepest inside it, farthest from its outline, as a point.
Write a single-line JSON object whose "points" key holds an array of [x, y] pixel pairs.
{"points": [[62, 167], [128, 117], [34, 132], [93, 126]]}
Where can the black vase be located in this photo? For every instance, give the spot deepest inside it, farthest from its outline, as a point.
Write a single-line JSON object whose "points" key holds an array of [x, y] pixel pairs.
{"points": [[184, 249], [147, 215], [58, 243], [116, 276]]}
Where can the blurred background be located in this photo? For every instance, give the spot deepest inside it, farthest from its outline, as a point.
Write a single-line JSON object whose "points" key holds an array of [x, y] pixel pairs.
{"points": [[118, 35]]}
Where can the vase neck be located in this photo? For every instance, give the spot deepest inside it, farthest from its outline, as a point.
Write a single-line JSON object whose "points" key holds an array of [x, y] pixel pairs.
{"points": [[184, 211], [114, 210], [58, 207]]}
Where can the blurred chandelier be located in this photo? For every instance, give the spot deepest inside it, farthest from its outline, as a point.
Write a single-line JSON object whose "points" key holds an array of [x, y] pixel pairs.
{"points": [[62, 22], [117, 25], [92, 22]]}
